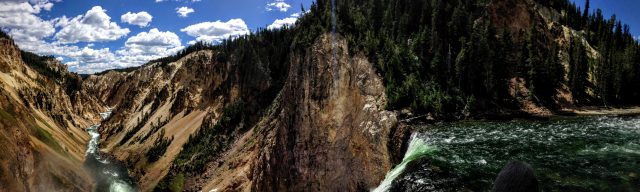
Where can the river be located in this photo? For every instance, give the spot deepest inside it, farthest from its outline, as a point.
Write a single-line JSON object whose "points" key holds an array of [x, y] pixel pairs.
{"points": [[109, 174], [567, 154]]}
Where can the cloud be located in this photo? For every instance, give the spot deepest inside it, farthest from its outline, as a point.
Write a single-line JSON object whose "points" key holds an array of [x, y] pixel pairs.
{"points": [[298, 14], [22, 23], [137, 50], [154, 43], [280, 5], [94, 26], [217, 31], [289, 21], [154, 38], [31, 33], [44, 5], [19, 19], [89, 60], [37, 4], [279, 23], [146, 46], [89, 55], [141, 19], [184, 11]]}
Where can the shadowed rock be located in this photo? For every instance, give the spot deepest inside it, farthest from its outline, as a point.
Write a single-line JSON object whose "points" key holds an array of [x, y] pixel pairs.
{"points": [[516, 176]]}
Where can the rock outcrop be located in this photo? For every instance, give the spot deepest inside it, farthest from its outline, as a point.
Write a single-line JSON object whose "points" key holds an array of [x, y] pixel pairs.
{"points": [[325, 129], [329, 130], [42, 121]]}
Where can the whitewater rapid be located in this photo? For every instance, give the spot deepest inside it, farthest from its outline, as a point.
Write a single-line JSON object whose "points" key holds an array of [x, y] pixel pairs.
{"points": [[417, 148], [109, 176], [594, 153]]}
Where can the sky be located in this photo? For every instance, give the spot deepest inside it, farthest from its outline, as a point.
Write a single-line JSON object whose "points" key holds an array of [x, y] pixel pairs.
{"points": [[95, 35], [625, 11]]}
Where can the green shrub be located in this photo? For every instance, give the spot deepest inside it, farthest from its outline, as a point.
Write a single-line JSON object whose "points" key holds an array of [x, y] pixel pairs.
{"points": [[159, 148]]}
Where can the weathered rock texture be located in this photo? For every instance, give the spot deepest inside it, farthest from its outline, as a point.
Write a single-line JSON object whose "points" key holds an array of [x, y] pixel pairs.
{"points": [[42, 125], [329, 131], [325, 129]]}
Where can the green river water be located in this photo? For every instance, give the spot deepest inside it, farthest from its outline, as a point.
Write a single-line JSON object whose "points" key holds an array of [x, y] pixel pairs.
{"points": [[567, 154]]}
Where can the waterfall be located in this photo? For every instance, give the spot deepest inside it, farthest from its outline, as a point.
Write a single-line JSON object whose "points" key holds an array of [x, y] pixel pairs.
{"points": [[334, 58], [417, 148]]}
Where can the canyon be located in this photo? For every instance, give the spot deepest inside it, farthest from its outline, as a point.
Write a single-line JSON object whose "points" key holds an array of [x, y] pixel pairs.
{"points": [[300, 109]]}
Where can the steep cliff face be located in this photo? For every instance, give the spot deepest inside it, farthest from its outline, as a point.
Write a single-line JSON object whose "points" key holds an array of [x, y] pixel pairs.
{"points": [[208, 121], [519, 16], [103, 87], [170, 101], [329, 130], [43, 118], [325, 128]]}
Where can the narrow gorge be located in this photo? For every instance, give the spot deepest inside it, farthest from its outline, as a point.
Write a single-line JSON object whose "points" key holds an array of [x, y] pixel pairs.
{"points": [[374, 95]]}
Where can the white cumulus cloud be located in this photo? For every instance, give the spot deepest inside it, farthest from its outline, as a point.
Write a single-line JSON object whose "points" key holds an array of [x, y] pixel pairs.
{"points": [[19, 18], [141, 19], [21, 22], [279, 23], [217, 31], [94, 26], [152, 44], [289, 21], [88, 56], [184, 11], [279, 5], [137, 50]]}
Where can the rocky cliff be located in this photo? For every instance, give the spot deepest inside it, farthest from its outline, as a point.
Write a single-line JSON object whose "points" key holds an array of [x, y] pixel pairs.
{"points": [[308, 112], [208, 121], [518, 16], [324, 124], [328, 129], [43, 117]]}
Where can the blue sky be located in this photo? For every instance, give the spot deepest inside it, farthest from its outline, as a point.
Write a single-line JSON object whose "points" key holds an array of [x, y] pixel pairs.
{"points": [[625, 10], [94, 35]]}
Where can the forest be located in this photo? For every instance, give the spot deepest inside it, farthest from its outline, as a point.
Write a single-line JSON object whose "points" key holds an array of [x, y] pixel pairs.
{"points": [[440, 57], [447, 58]]}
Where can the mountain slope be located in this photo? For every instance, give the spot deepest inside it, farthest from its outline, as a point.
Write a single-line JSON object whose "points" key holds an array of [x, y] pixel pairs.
{"points": [[318, 95], [172, 101], [300, 108], [43, 116]]}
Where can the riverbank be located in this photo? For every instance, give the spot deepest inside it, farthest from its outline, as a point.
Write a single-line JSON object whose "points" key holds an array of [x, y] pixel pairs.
{"points": [[593, 111], [505, 115]]}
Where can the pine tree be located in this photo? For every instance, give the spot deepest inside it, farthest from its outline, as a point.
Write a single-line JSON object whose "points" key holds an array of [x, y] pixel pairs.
{"points": [[585, 16]]}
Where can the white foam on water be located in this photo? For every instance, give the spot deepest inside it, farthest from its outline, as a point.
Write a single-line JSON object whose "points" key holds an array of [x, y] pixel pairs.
{"points": [[417, 148], [92, 147], [116, 184], [120, 186]]}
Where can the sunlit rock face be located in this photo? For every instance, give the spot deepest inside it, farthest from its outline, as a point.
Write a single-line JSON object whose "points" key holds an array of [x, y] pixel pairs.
{"points": [[329, 130], [43, 114], [326, 128]]}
